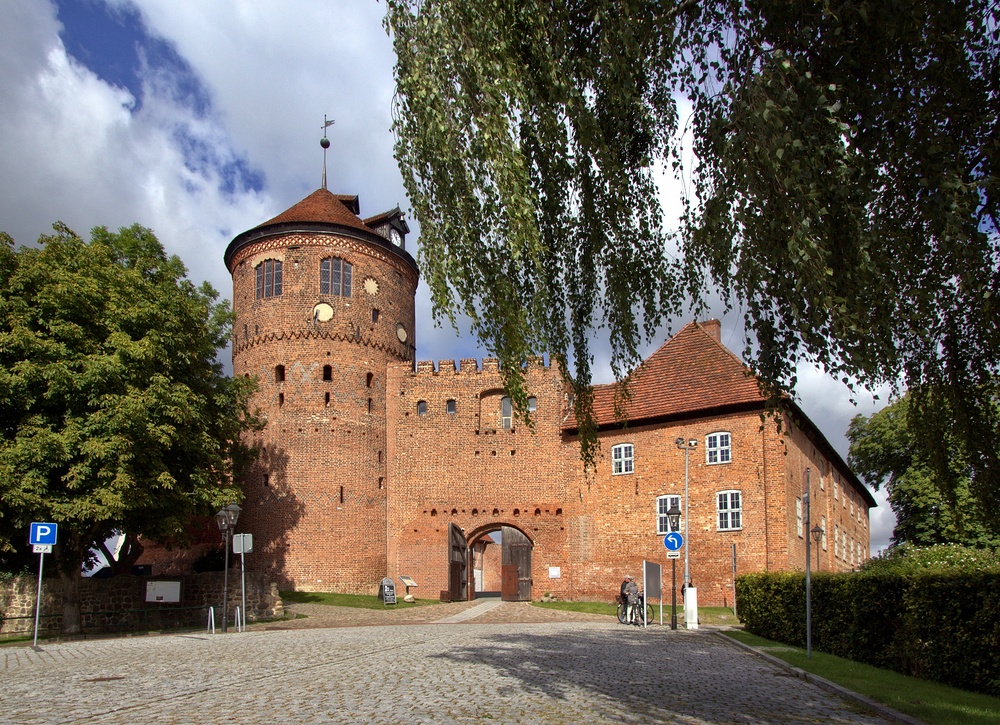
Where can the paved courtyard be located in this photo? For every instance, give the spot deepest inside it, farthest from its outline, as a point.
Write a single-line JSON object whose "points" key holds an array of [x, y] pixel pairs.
{"points": [[465, 670]]}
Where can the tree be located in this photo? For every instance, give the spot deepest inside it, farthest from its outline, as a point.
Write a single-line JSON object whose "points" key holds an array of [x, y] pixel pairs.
{"points": [[886, 452], [843, 197], [115, 415]]}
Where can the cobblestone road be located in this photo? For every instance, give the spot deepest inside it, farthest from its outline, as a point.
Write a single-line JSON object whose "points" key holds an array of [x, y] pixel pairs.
{"points": [[500, 672]]}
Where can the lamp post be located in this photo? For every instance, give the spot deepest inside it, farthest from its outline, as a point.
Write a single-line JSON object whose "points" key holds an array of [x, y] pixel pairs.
{"points": [[805, 505], [687, 447], [817, 534], [673, 520], [226, 519]]}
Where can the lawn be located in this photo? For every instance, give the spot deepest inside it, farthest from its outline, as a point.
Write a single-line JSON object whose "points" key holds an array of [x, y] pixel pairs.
{"points": [[931, 702], [358, 601]]}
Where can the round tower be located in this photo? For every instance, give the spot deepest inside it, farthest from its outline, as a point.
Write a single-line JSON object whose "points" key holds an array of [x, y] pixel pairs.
{"points": [[323, 302]]}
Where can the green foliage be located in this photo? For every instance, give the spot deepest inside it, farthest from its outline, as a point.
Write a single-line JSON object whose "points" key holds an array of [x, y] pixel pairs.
{"points": [[941, 624], [888, 449], [843, 195], [115, 414], [910, 559]]}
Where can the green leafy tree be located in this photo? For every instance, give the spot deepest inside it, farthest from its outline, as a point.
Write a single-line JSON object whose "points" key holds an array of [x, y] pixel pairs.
{"points": [[888, 453], [115, 415], [843, 196]]}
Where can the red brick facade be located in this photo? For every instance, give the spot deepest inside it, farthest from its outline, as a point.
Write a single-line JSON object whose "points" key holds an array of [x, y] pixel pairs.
{"points": [[367, 459]]}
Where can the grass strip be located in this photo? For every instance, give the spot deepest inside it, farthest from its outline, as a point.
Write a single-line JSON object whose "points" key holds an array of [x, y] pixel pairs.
{"points": [[357, 601], [932, 702], [706, 615]]}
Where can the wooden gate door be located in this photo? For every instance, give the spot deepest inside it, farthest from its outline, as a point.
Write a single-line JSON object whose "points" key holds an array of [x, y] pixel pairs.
{"points": [[457, 564], [515, 573]]}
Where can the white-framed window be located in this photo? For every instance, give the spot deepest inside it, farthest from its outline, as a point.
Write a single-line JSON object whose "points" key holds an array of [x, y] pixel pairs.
{"points": [[822, 525], [860, 552], [718, 448], [836, 541], [664, 504], [836, 490], [622, 459], [532, 404], [506, 413], [852, 505], [798, 517], [729, 506]]}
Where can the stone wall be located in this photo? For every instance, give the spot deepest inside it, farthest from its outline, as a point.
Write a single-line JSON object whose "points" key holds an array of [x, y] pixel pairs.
{"points": [[119, 603]]}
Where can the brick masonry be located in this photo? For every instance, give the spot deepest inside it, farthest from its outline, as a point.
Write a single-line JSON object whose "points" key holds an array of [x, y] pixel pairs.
{"points": [[367, 458]]}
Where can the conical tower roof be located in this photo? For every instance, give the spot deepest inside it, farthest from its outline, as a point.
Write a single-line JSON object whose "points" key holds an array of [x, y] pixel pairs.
{"points": [[325, 213]]}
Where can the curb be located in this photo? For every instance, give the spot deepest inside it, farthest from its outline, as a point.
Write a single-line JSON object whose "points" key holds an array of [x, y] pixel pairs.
{"points": [[876, 707]]}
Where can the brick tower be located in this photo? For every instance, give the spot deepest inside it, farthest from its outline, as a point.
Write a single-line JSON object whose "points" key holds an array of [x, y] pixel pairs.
{"points": [[323, 302]]}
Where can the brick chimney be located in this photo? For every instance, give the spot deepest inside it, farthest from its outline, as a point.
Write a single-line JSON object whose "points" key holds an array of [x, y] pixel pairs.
{"points": [[713, 328]]}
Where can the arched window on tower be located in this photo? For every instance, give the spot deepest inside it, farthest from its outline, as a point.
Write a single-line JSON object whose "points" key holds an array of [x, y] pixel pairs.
{"points": [[335, 277], [268, 279]]}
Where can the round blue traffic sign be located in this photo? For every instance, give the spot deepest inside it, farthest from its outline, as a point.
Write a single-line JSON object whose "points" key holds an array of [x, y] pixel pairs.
{"points": [[673, 541]]}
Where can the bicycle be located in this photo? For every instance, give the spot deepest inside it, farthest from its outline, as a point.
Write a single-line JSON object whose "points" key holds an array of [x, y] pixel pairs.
{"points": [[642, 606]]}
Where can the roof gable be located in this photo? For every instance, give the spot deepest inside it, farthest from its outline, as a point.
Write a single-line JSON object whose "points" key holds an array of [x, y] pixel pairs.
{"points": [[690, 372]]}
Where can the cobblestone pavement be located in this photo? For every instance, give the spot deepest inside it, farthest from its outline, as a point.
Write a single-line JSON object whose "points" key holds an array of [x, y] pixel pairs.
{"points": [[499, 671]]}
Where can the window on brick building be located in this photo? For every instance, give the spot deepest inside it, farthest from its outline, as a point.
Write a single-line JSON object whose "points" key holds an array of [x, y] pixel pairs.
{"points": [[335, 277], [622, 459], [822, 525], [450, 407], [268, 277], [718, 448], [279, 373], [664, 504], [421, 407], [506, 412], [798, 517], [729, 505], [532, 404], [327, 372]]}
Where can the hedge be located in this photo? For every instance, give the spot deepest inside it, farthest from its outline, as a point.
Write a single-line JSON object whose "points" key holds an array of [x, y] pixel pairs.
{"points": [[942, 626]]}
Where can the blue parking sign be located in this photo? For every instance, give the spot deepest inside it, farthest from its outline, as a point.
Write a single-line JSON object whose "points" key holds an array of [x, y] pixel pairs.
{"points": [[43, 534]]}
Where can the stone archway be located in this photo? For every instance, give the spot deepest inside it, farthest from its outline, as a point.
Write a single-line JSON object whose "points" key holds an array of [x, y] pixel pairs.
{"points": [[500, 563]]}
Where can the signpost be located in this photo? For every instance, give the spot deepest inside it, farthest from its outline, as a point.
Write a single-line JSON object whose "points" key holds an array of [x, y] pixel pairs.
{"points": [[673, 542], [242, 545], [42, 537]]}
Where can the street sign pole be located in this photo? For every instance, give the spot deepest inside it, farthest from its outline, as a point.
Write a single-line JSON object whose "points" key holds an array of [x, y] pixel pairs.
{"points": [[38, 596], [42, 537]]}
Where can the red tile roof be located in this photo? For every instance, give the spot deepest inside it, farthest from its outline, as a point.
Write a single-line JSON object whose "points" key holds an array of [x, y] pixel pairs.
{"points": [[691, 372], [321, 207]]}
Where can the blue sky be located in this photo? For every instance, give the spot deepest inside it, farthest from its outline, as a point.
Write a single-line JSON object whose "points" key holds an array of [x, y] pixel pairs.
{"points": [[202, 119]]}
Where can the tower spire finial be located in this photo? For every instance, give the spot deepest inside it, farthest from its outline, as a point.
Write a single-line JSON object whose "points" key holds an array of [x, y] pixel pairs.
{"points": [[325, 143]]}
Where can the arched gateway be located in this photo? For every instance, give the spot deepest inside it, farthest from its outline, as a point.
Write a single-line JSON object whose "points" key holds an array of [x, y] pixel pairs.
{"points": [[477, 568]]}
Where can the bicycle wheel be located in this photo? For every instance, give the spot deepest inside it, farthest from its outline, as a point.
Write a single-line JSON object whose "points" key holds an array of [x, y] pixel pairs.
{"points": [[621, 613], [649, 614]]}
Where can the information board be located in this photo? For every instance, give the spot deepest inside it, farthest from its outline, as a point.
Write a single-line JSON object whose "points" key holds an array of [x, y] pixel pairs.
{"points": [[388, 591]]}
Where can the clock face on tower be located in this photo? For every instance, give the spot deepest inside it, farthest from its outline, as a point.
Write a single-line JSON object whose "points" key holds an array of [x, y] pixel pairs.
{"points": [[395, 237]]}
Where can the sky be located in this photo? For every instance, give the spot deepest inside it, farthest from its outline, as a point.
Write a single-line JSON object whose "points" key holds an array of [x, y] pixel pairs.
{"points": [[200, 120]]}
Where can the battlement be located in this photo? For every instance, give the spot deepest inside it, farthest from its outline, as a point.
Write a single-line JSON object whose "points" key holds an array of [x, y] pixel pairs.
{"points": [[471, 366]]}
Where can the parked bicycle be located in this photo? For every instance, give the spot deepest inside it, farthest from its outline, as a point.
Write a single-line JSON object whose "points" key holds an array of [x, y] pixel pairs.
{"points": [[641, 607]]}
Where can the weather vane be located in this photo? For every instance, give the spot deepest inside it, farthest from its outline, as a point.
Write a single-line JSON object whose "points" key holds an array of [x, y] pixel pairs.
{"points": [[325, 143]]}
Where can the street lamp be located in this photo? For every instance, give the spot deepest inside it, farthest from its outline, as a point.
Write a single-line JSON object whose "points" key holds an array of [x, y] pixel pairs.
{"points": [[817, 534], [226, 519], [690, 594], [674, 522], [687, 447]]}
